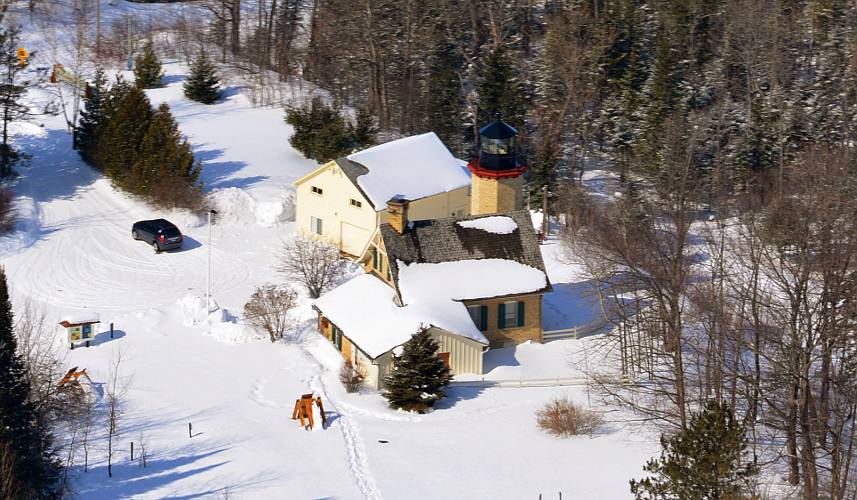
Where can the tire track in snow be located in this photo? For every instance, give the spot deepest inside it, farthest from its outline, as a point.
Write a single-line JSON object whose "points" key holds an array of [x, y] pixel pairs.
{"points": [[358, 463]]}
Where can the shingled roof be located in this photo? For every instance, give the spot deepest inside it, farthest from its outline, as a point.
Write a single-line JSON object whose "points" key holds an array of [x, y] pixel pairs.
{"points": [[444, 240]]}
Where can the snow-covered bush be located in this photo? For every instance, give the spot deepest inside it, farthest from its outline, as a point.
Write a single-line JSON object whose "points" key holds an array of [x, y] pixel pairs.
{"points": [[562, 418]]}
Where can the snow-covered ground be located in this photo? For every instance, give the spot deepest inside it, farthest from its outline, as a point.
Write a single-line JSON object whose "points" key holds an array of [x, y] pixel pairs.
{"points": [[73, 254]]}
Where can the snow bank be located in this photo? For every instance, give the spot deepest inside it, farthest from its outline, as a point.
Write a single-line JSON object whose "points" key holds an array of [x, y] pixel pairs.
{"points": [[497, 224], [237, 206], [218, 323], [411, 168]]}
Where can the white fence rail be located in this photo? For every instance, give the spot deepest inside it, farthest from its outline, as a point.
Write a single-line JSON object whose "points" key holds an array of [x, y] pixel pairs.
{"points": [[533, 382], [575, 332]]}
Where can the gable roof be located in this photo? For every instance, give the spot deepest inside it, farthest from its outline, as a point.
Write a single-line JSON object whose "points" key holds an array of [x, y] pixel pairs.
{"points": [[365, 309], [446, 240], [413, 167]]}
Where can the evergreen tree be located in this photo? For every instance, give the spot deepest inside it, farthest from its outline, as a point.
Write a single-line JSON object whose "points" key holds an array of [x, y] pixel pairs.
{"points": [[499, 90], [419, 377], [12, 89], [163, 156], [30, 470], [147, 68], [122, 134], [320, 133], [363, 132], [203, 84], [109, 104], [91, 117], [445, 102], [701, 462]]}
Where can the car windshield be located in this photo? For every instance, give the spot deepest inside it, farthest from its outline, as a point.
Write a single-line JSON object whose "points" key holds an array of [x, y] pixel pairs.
{"points": [[171, 232]]}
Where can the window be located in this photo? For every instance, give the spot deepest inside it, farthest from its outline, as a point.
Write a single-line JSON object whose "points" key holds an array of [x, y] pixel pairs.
{"points": [[355, 203], [315, 224], [317, 190], [479, 314], [511, 314]]}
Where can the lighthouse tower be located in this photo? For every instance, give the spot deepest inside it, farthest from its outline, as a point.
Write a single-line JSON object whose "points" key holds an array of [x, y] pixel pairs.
{"points": [[497, 181]]}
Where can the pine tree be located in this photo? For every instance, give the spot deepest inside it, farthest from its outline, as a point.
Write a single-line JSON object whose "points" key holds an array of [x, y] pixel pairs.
{"points": [[91, 117], [499, 90], [203, 84], [445, 101], [147, 68], [12, 89], [700, 462], [163, 156], [419, 377], [363, 132], [97, 149], [30, 468], [320, 132], [119, 142]]}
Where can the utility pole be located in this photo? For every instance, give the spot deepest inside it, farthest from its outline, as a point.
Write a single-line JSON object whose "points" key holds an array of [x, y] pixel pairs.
{"points": [[211, 214]]}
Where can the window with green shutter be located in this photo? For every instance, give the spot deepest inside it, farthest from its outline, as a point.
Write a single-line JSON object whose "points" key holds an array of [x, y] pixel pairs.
{"points": [[510, 314], [479, 315]]}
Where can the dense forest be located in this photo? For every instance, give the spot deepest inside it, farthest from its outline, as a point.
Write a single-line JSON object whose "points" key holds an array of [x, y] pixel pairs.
{"points": [[752, 82]]}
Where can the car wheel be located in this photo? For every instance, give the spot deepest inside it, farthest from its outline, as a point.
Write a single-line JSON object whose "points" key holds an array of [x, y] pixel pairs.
{"points": [[156, 247], [135, 235]]}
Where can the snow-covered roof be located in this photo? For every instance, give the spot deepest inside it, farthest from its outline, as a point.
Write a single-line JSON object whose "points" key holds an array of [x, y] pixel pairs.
{"points": [[364, 308], [467, 279], [410, 168], [79, 319], [497, 224], [466, 239]]}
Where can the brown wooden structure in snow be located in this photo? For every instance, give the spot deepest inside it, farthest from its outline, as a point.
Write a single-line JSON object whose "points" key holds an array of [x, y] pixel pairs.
{"points": [[303, 411]]}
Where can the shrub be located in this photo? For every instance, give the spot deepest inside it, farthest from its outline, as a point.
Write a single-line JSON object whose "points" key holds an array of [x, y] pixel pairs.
{"points": [[7, 211], [313, 262], [351, 377], [562, 418], [268, 310]]}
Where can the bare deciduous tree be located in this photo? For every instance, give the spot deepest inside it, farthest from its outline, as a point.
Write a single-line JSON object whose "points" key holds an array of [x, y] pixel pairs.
{"points": [[313, 262], [116, 389], [269, 308]]}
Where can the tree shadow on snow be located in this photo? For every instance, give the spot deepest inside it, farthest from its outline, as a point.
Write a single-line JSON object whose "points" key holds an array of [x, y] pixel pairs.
{"points": [[457, 393], [55, 170], [218, 174], [230, 91], [170, 79]]}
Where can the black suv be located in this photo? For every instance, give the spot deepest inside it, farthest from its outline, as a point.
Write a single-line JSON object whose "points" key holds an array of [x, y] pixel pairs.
{"points": [[160, 233]]}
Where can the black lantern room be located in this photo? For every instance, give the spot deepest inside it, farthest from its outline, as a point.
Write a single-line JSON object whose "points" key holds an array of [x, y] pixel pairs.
{"points": [[498, 151]]}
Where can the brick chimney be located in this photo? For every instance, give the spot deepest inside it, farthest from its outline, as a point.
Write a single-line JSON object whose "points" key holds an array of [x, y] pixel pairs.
{"points": [[397, 214]]}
